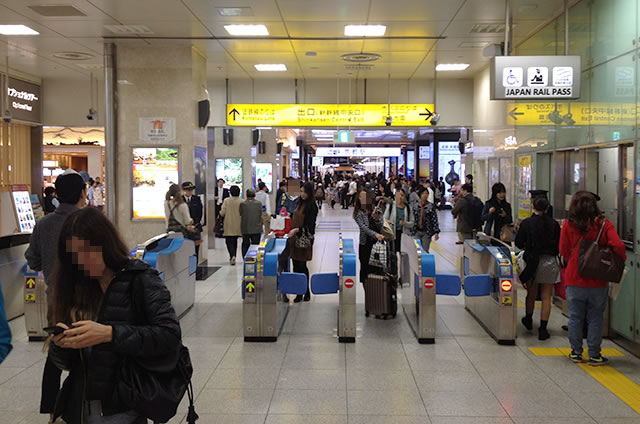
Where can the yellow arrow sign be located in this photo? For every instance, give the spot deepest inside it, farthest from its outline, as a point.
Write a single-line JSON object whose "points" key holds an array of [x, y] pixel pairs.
{"points": [[31, 283], [328, 115], [250, 287], [580, 113]]}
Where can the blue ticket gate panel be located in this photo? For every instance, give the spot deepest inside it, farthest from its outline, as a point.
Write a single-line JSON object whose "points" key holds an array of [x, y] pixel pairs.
{"points": [[490, 289], [419, 298]]}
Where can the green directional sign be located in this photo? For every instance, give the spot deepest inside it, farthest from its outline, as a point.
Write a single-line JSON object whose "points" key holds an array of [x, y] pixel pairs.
{"points": [[249, 287]]}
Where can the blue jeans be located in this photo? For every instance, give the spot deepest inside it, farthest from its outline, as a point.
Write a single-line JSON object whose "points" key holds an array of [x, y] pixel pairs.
{"points": [[586, 304]]}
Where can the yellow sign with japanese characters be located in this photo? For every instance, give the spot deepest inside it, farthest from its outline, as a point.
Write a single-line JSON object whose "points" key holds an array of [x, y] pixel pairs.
{"points": [[572, 114], [328, 115]]}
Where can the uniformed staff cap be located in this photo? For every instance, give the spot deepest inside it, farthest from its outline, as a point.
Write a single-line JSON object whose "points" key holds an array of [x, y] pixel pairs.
{"points": [[538, 193], [188, 185]]}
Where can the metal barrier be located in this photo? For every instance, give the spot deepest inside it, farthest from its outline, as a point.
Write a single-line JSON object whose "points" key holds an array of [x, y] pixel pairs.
{"points": [[344, 283], [490, 286], [173, 257], [263, 288], [419, 299]]}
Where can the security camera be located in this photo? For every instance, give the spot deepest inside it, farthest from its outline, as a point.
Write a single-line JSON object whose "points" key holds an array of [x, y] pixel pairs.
{"points": [[568, 119], [388, 121], [435, 119], [93, 114], [6, 117]]}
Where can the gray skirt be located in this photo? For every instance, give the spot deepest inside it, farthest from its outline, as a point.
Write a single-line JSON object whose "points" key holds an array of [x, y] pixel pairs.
{"points": [[548, 270]]}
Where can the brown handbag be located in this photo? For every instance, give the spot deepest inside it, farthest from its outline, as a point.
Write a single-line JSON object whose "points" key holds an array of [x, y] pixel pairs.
{"points": [[506, 233], [598, 262]]}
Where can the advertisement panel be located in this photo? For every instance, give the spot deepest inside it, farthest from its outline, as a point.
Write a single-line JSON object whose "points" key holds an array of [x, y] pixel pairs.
{"points": [[153, 170], [230, 170], [449, 162], [411, 163], [524, 185], [264, 172]]}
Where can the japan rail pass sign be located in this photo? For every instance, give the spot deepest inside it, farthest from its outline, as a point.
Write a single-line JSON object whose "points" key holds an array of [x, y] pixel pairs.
{"points": [[535, 77], [329, 115]]}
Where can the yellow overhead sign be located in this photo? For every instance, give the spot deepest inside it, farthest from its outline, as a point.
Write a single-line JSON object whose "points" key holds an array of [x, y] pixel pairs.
{"points": [[580, 114], [328, 115]]}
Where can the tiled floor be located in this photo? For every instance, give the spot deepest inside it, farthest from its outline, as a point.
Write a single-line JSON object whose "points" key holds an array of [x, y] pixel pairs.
{"points": [[385, 377]]}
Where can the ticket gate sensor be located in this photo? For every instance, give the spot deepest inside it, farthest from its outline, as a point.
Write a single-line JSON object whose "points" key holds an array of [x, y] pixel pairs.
{"points": [[344, 284], [419, 299], [35, 304], [173, 257], [263, 288], [490, 292]]}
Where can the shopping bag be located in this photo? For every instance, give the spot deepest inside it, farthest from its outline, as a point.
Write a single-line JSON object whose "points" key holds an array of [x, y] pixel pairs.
{"points": [[277, 223], [378, 257]]}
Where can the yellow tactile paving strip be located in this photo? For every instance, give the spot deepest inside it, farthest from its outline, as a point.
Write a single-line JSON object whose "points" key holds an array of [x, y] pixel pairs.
{"points": [[616, 382]]}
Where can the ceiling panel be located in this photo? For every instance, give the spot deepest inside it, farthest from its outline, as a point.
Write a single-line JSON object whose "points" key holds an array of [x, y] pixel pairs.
{"points": [[21, 6], [415, 10], [262, 10], [318, 28], [330, 47], [144, 10], [385, 46], [276, 28], [354, 11], [521, 10]]}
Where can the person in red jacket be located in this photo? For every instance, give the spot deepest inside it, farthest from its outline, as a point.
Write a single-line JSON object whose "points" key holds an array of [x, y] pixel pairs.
{"points": [[586, 298]]}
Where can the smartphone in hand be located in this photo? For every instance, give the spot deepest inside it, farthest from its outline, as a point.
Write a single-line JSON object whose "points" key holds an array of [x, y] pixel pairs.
{"points": [[54, 330]]}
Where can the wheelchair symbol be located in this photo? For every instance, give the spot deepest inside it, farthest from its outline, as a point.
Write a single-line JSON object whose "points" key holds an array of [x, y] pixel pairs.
{"points": [[512, 79]]}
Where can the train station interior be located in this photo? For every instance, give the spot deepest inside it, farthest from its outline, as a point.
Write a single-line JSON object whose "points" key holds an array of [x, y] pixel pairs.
{"points": [[538, 97]]}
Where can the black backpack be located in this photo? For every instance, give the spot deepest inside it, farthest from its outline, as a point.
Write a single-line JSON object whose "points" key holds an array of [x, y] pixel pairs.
{"points": [[475, 213]]}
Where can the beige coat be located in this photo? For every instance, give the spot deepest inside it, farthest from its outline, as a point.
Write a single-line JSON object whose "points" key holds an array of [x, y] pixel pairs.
{"points": [[231, 213]]}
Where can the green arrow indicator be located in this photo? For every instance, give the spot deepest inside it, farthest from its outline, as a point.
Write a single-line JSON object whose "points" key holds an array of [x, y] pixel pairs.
{"points": [[250, 287]]}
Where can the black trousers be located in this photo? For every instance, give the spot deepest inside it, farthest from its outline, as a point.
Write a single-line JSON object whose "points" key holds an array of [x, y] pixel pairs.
{"points": [[248, 240], [50, 387], [301, 267], [232, 245], [363, 254]]}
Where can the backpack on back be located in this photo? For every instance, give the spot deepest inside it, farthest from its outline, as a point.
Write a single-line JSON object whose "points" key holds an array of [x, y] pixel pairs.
{"points": [[475, 213]]}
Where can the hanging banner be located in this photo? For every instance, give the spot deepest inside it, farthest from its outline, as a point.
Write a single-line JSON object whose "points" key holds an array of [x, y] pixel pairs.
{"points": [[328, 115], [524, 185]]}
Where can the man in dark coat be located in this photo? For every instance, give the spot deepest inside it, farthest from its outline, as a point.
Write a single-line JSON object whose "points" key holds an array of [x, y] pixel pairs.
{"points": [[221, 194], [195, 209]]}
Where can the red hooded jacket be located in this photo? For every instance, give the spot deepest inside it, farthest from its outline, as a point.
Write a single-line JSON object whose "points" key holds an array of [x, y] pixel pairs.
{"points": [[569, 247]]}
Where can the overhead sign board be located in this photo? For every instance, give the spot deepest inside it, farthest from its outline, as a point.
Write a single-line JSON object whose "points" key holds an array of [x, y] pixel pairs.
{"points": [[24, 100], [572, 114], [328, 115], [535, 77], [358, 151]]}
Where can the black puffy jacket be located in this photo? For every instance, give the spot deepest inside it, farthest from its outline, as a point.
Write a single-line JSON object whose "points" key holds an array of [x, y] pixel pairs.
{"points": [[93, 375]]}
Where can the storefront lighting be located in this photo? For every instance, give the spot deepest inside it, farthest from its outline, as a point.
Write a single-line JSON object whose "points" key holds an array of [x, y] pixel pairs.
{"points": [[271, 67], [247, 30], [17, 30], [364, 30], [452, 66]]}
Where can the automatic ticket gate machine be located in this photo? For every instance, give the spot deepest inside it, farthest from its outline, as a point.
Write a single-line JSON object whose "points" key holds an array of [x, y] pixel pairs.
{"points": [[263, 287], [419, 298], [490, 288], [343, 283]]}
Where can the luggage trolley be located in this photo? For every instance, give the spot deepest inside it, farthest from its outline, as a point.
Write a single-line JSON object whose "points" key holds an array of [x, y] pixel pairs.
{"points": [[490, 287], [419, 298]]}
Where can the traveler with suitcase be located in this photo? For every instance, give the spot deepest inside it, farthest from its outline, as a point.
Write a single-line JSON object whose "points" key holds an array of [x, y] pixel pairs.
{"points": [[369, 221], [380, 289]]}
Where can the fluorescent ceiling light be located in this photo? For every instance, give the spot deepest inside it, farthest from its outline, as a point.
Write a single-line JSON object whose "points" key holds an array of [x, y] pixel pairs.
{"points": [[247, 29], [17, 30], [364, 30], [271, 67], [235, 11], [452, 66]]}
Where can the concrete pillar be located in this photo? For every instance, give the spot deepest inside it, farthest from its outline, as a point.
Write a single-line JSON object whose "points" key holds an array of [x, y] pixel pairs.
{"points": [[155, 82]]}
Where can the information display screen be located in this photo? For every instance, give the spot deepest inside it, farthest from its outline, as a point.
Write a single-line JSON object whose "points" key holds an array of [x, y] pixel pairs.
{"points": [[154, 170], [317, 161], [230, 170], [24, 212], [264, 172]]}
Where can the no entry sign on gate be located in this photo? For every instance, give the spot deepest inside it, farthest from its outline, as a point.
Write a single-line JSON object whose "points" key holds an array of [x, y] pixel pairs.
{"points": [[348, 283], [428, 284]]}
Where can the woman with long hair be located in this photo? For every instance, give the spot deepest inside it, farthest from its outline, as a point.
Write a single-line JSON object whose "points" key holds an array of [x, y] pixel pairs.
{"points": [[303, 227], [425, 220], [586, 298], [368, 218], [176, 211], [104, 323], [497, 211], [539, 237]]}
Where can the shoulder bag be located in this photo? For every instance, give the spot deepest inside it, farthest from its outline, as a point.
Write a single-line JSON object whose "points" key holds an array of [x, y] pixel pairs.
{"points": [[304, 239], [597, 262]]}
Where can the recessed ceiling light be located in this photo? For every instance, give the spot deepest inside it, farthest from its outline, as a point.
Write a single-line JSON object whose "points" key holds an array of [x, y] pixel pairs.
{"points": [[247, 29], [235, 11], [311, 54], [17, 30], [364, 30], [452, 66], [271, 67]]}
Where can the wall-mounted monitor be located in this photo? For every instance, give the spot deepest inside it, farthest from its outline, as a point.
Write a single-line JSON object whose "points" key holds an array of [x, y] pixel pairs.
{"points": [[154, 169]]}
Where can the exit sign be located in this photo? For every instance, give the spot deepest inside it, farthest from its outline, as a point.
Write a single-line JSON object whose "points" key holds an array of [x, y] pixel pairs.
{"points": [[343, 137]]}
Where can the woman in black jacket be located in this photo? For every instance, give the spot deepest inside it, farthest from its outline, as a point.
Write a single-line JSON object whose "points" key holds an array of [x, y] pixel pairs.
{"points": [[94, 302], [539, 236], [497, 211]]}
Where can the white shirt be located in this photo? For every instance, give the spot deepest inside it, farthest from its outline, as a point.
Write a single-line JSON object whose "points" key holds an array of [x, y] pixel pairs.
{"points": [[263, 197], [180, 213], [353, 187], [431, 195]]}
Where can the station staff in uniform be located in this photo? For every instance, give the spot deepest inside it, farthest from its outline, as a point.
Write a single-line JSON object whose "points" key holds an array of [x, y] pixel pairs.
{"points": [[195, 209]]}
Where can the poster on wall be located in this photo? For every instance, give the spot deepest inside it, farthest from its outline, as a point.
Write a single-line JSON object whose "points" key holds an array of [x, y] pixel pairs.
{"points": [[524, 185], [411, 162], [154, 170], [162, 130], [230, 170], [387, 167], [22, 206], [200, 177], [264, 172], [449, 162]]}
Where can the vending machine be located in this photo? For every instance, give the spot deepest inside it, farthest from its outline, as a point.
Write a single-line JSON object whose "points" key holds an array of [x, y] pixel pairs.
{"points": [[17, 212]]}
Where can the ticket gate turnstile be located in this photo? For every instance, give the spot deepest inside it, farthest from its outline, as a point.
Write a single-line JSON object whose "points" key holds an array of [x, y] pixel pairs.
{"points": [[35, 304], [419, 297], [490, 288]]}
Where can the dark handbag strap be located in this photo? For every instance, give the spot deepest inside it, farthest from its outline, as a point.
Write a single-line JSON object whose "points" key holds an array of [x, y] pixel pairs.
{"points": [[604, 221]]}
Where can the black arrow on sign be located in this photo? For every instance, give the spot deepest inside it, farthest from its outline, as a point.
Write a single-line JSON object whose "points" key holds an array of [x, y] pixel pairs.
{"points": [[428, 115], [513, 113], [234, 112]]}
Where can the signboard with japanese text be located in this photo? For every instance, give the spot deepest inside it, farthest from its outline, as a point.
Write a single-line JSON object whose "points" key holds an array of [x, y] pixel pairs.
{"points": [[574, 113], [535, 77], [24, 100], [328, 115], [157, 129], [361, 152]]}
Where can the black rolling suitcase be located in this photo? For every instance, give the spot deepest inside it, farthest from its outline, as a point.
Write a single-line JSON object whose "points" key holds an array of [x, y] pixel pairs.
{"points": [[380, 291]]}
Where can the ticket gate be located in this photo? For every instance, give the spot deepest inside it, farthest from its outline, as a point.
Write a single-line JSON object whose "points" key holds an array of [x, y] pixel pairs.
{"points": [[490, 287], [419, 299], [263, 288], [173, 257], [343, 283], [12, 249], [35, 304]]}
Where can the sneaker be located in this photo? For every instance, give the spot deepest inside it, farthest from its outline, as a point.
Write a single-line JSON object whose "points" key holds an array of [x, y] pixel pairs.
{"points": [[596, 361], [233, 260], [575, 357], [527, 322]]}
